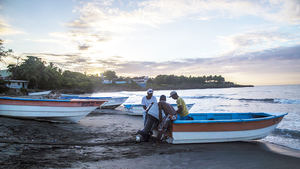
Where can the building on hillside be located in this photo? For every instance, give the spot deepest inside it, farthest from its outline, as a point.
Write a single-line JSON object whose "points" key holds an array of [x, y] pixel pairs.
{"points": [[120, 82], [105, 81], [4, 74], [16, 84], [141, 81]]}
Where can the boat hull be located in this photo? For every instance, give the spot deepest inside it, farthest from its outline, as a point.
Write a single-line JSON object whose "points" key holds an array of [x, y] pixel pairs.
{"points": [[50, 110], [206, 131], [111, 102], [72, 114]]}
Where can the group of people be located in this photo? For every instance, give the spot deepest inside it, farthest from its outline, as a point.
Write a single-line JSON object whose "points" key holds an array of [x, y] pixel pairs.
{"points": [[159, 115]]}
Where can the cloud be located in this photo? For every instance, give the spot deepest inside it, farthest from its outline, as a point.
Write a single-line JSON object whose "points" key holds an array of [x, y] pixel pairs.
{"points": [[271, 61], [102, 21], [84, 47], [257, 40], [288, 11], [6, 29], [278, 62]]}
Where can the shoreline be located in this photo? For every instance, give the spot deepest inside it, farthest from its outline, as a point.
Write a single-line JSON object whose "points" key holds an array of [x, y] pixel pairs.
{"points": [[139, 90], [277, 148], [105, 139], [119, 89]]}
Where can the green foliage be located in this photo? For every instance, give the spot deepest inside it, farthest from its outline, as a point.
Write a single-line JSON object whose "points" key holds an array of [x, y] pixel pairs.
{"points": [[33, 70], [3, 52], [48, 77], [110, 75], [3, 87], [183, 82]]}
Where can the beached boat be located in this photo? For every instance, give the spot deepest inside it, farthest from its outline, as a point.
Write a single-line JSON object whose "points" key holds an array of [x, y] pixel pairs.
{"points": [[111, 102], [137, 109], [224, 127], [47, 109], [39, 93]]}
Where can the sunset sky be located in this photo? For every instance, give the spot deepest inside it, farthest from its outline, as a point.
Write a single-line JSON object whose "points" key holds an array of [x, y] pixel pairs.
{"points": [[248, 42]]}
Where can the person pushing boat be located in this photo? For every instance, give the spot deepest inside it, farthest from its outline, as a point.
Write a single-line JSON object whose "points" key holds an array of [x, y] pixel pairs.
{"points": [[167, 114], [146, 102], [151, 117], [182, 111]]}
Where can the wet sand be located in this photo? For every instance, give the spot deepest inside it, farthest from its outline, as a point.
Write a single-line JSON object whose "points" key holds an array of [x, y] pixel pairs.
{"points": [[105, 139]]}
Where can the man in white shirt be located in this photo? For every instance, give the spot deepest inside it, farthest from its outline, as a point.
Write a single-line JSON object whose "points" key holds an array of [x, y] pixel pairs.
{"points": [[151, 115], [146, 102]]}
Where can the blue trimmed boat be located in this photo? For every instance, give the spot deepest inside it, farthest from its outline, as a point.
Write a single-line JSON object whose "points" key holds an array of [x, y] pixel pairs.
{"points": [[137, 109], [112, 102], [224, 127]]}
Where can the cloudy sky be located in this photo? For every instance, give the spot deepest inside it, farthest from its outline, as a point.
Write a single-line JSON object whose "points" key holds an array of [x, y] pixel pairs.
{"points": [[248, 42]]}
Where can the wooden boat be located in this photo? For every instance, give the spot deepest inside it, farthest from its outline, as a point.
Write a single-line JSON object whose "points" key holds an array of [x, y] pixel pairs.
{"points": [[223, 127], [39, 93], [47, 109], [111, 102], [137, 109]]}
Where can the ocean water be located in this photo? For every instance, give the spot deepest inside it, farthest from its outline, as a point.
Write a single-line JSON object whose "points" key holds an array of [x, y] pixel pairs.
{"points": [[270, 99]]}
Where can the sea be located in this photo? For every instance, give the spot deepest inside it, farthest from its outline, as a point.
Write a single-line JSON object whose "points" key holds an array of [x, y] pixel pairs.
{"points": [[271, 99]]}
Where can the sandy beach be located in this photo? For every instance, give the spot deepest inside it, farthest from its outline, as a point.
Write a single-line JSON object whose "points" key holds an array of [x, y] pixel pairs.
{"points": [[105, 139]]}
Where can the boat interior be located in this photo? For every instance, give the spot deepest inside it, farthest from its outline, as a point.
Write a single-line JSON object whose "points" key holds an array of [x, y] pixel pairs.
{"points": [[228, 116]]}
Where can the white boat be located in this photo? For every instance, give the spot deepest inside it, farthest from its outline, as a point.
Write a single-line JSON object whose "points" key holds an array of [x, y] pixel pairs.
{"points": [[39, 93], [111, 102], [137, 109], [47, 109], [223, 127]]}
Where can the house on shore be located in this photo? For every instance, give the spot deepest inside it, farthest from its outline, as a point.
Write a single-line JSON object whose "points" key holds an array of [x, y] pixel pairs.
{"points": [[114, 81], [120, 82], [105, 81], [141, 81], [16, 84], [12, 84]]}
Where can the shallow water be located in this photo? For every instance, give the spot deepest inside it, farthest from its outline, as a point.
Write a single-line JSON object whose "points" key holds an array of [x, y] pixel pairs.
{"points": [[271, 99]]}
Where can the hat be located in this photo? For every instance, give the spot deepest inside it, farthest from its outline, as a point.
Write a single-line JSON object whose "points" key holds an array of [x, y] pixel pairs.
{"points": [[172, 93], [162, 97], [149, 91]]}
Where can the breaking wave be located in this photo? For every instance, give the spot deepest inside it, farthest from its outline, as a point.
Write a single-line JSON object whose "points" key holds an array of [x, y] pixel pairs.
{"points": [[265, 100], [270, 100], [286, 133], [258, 100], [204, 97], [287, 101]]}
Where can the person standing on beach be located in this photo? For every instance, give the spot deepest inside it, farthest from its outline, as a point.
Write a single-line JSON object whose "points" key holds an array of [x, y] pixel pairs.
{"points": [[151, 120], [182, 109], [146, 102], [166, 120]]}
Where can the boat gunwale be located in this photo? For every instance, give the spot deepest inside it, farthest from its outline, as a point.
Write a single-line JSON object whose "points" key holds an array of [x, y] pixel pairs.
{"points": [[79, 97], [49, 100], [140, 105], [31, 99], [270, 116]]}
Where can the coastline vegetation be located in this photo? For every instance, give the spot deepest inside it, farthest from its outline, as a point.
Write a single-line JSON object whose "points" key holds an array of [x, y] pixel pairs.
{"points": [[49, 77]]}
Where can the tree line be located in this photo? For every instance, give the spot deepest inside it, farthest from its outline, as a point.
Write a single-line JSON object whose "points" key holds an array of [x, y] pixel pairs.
{"points": [[191, 82], [49, 77]]}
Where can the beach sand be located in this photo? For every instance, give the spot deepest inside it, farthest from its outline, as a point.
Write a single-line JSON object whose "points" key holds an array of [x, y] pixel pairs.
{"points": [[105, 139]]}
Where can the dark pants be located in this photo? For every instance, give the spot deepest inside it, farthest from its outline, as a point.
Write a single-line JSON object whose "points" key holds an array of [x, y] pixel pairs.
{"points": [[151, 123]]}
